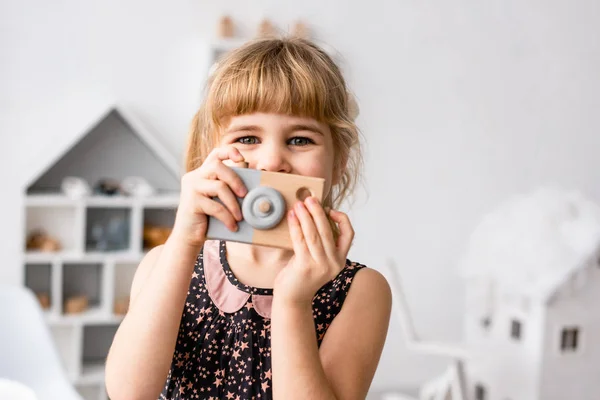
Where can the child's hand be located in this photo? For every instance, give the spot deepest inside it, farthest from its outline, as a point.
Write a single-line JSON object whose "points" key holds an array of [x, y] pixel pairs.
{"points": [[317, 257], [212, 178]]}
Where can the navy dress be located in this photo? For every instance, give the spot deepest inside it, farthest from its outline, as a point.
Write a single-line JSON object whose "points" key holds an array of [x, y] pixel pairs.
{"points": [[223, 348]]}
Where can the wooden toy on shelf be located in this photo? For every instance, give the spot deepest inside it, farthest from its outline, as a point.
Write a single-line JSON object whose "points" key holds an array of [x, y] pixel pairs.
{"points": [[44, 299], [270, 195], [300, 29], [108, 187], [121, 306], [266, 28], [226, 27], [155, 235], [76, 304], [40, 240]]}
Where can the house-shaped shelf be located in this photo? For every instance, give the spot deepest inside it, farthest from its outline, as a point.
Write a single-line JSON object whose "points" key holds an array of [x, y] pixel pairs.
{"points": [[115, 147], [83, 282]]}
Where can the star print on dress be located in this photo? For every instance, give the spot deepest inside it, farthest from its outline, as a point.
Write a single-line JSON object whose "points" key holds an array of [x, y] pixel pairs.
{"points": [[223, 348]]}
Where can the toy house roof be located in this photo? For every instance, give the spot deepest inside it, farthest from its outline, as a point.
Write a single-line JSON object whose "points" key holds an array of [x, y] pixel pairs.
{"points": [[535, 243], [115, 144]]}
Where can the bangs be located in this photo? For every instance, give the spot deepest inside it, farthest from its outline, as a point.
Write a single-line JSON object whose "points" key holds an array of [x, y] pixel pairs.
{"points": [[282, 80]]}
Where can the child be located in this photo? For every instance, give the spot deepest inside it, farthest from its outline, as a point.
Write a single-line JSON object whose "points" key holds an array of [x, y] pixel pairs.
{"points": [[215, 319]]}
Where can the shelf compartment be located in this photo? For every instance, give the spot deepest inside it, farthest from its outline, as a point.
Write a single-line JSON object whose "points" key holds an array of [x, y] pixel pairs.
{"points": [[91, 390], [97, 340], [38, 278], [82, 279], [108, 229], [60, 223], [124, 273], [158, 222], [65, 339]]}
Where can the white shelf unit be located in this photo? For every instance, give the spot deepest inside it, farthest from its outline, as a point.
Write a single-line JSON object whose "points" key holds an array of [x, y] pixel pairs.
{"points": [[83, 339], [114, 146]]}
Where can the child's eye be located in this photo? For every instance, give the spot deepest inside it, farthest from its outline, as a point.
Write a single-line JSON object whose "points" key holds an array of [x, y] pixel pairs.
{"points": [[300, 141], [248, 140]]}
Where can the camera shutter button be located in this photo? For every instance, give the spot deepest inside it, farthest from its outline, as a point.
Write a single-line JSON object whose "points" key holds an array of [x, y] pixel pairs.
{"points": [[264, 206]]}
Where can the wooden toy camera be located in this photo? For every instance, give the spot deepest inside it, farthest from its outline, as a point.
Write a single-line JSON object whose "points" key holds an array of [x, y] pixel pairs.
{"points": [[264, 208]]}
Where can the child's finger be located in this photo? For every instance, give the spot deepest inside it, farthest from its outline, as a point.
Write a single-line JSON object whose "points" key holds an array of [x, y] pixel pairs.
{"points": [[323, 226], [240, 164], [227, 175], [217, 170], [217, 188], [309, 230], [346, 231], [298, 242], [227, 153], [215, 209]]}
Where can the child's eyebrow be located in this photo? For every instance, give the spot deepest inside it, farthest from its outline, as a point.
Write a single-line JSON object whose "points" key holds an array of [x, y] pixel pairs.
{"points": [[306, 127], [291, 128], [244, 128]]}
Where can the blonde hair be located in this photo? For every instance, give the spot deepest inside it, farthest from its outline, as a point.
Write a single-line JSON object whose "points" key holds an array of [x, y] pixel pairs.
{"points": [[289, 76]]}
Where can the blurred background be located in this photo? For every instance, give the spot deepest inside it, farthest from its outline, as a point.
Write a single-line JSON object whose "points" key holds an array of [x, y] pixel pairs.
{"points": [[462, 104]]}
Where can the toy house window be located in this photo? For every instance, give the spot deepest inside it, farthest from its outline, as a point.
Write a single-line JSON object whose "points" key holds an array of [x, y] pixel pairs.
{"points": [[480, 392], [569, 339], [516, 329]]}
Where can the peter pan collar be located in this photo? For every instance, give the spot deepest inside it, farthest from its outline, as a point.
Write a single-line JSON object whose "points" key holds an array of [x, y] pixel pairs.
{"points": [[225, 295]]}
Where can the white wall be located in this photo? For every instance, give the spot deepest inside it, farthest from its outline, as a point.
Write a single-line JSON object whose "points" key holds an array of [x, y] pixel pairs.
{"points": [[463, 103]]}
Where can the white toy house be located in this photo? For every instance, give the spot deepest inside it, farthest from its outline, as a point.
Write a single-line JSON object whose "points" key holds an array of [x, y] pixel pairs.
{"points": [[100, 237], [532, 320]]}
